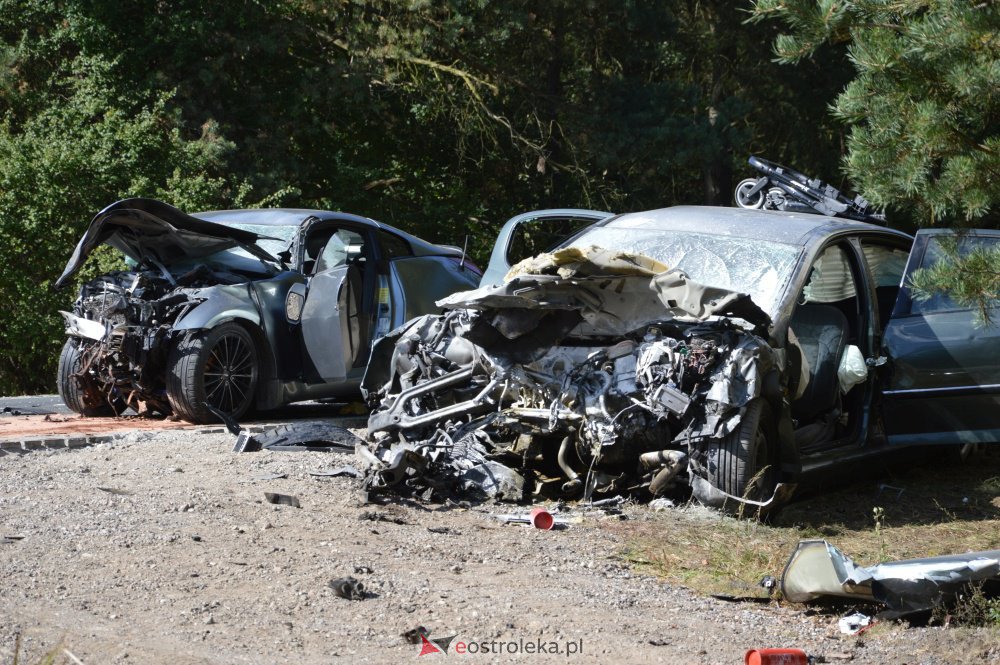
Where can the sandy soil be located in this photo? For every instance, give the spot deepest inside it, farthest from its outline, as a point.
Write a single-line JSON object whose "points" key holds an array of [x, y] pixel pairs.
{"points": [[13, 427], [159, 547]]}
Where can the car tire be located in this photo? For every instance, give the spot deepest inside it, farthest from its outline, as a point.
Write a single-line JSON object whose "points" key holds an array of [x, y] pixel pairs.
{"points": [[218, 367], [743, 463], [82, 394]]}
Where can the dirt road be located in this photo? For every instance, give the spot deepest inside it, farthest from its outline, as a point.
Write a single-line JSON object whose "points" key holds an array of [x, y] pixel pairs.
{"points": [[158, 547]]}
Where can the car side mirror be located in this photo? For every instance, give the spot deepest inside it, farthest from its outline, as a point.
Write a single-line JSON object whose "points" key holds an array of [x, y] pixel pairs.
{"points": [[294, 301]]}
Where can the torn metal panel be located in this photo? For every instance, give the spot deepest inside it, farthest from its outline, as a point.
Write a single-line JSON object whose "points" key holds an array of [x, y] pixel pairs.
{"points": [[818, 569], [146, 229], [566, 379]]}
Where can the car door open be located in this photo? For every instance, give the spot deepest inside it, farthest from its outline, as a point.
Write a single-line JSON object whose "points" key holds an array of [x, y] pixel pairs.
{"points": [[334, 330], [943, 383], [532, 233]]}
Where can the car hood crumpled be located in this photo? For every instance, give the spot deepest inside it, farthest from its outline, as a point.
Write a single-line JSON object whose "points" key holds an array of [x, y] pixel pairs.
{"points": [[576, 279], [150, 229]]}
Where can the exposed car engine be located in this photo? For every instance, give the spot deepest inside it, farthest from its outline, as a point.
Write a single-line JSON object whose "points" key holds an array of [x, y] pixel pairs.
{"points": [[563, 386], [125, 362]]}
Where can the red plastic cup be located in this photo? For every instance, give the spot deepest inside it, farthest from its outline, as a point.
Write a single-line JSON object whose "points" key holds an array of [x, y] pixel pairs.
{"points": [[541, 519], [776, 657]]}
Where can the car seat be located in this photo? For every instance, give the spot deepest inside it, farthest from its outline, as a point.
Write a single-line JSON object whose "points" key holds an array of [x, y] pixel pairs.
{"points": [[822, 333]]}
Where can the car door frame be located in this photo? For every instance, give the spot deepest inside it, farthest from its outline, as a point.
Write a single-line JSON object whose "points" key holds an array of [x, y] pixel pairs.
{"points": [[499, 264]]}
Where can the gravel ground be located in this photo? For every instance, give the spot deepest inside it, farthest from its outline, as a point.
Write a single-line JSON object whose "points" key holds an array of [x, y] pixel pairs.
{"points": [[158, 547]]}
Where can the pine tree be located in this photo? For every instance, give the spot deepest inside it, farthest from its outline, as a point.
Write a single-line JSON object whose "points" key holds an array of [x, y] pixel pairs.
{"points": [[924, 113]]}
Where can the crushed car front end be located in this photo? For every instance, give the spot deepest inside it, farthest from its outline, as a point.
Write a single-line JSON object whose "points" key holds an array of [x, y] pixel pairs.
{"points": [[587, 372], [124, 325]]}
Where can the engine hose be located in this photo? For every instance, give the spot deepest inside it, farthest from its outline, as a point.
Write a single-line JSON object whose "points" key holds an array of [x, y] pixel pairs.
{"points": [[561, 458]]}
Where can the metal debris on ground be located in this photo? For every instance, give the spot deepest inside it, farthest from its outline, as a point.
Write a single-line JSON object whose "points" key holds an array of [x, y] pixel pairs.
{"points": [[375, 516], [282, 499], [349, 588], [882, 487], [271, 476], [663, 503], [322, 437], [444, 529], [414, 634], [117, 492], [817, 568]]}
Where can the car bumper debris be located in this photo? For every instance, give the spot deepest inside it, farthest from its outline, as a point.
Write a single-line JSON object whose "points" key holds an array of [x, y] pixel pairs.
{"points": [[817, 569]]}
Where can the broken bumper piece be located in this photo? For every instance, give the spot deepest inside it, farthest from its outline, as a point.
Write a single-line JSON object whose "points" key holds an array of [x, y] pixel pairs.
{"points": [[817, 569]]}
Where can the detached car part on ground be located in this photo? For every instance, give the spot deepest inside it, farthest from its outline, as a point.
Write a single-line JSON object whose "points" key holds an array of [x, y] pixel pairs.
{"points": [[817, 569], [239, 309], [733, 352]]}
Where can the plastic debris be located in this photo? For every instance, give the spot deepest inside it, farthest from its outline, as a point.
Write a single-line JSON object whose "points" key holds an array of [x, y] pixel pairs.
{"points": [[778, 657], [855, 623]]}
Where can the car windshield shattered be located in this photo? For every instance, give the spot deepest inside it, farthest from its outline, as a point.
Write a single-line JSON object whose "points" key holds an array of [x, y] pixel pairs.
{"points": [[760, 268], [273, 239], [588, 372]]}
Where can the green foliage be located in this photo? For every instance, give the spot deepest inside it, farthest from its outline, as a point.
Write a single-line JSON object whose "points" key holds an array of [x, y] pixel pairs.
{"points": [[924, 103], [923, 110], [57, 168], [443, 119]]}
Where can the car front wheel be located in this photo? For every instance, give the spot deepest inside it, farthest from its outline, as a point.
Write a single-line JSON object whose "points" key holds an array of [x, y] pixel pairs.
{"points": [[81, 393], [217, 368], [743, 463]]}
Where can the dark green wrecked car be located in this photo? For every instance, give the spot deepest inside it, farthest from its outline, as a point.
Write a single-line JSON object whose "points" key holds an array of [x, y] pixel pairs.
{"points": [[240, 309]]}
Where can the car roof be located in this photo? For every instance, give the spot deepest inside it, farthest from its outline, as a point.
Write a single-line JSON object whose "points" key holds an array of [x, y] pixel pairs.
{"points": [[297, 216], [790, 228], [277, 216]]}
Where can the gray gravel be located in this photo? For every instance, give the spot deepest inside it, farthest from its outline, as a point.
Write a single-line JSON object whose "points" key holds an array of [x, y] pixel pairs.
{"points": [[160, 548]]}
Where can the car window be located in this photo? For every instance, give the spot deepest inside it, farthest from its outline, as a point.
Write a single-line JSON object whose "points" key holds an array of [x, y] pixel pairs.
{"points": [[887, 264], [935, 253], [238, 259], [534, 236], [342, 247], [279, 236], [393, 246], [830, 279]]}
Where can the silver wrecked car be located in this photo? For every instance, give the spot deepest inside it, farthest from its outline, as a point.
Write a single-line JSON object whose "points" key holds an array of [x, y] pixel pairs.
{"points": [[728, 351], [231, 310]]}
